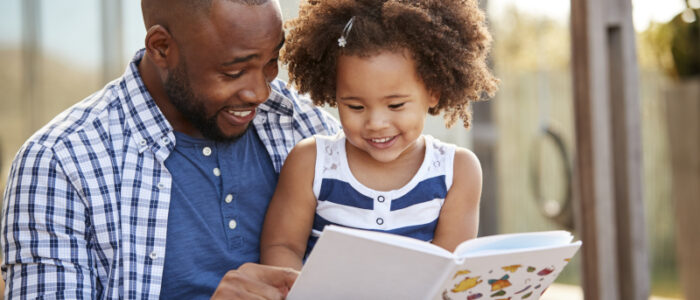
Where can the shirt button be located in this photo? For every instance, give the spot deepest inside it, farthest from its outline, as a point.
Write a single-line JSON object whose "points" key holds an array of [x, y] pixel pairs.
{"points": [[161, 185], [153, 255], [206, 151], [228, 198], [143, 142], [380, 199], [217, 172], [232, 224], [165, 140], [380, 221]]}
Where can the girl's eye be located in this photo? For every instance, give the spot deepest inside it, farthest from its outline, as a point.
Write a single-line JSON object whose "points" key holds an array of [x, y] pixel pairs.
{"points": [[355, 107], [235, 75], [395, 106]]}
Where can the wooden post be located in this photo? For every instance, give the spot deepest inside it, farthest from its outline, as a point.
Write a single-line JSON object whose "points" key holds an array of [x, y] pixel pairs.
{"points": [[608, 180], [682, 114], [484, 146], [31, 64], [112, 40]]}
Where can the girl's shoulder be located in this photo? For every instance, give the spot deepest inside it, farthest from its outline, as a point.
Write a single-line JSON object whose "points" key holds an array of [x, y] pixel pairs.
{"points": [[302, 153], [466, 166]]}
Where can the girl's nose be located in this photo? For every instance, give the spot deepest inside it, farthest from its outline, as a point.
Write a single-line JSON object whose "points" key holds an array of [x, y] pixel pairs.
{"points": [[377, 121]]}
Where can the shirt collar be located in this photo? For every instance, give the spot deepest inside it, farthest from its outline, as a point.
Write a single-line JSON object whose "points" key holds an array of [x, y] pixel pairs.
{"points": [[149, 127], [280, 100]]}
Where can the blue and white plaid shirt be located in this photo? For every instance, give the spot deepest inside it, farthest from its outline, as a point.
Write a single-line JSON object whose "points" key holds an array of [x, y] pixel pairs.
{"points": [[86, 203]]}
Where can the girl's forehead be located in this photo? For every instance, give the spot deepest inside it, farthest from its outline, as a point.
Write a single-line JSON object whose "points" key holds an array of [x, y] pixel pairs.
{"points": [[383, 74]]}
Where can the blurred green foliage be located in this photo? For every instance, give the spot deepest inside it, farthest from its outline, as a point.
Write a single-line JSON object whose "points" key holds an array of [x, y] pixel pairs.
{"points": [[674, 46]]}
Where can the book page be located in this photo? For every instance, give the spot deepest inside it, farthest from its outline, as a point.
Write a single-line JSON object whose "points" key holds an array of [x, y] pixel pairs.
{"points": [[512, 242], [393, 239], [353, 265], [523, 274]]}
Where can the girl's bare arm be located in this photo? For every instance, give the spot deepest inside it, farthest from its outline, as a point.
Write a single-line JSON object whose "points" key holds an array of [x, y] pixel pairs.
{"points": [[290, 215], [459, 216]]}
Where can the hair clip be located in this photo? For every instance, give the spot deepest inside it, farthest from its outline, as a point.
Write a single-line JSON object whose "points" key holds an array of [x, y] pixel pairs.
{"points": [[342, 41]]}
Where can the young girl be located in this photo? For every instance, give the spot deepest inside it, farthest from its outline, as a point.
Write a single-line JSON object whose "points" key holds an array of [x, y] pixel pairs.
{"points": [[386, 64]]}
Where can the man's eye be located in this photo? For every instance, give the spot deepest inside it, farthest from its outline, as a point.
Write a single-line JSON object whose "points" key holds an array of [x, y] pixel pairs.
{"points": [[397, 105], [234, 75]]}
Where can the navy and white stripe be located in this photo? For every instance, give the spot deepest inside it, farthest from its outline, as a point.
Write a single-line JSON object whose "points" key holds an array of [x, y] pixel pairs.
{"points": [[411, 210], [86, 203]]}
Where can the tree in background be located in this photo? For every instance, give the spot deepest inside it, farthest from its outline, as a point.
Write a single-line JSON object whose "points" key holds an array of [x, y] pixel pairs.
{"points": [[673, 47]]}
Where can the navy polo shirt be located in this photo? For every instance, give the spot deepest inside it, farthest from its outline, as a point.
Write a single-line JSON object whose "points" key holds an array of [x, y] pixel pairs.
{"points": [[219, 198]]}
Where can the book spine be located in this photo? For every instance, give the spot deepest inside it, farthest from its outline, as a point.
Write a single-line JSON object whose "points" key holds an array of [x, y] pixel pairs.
{"points": [[442, 282]]}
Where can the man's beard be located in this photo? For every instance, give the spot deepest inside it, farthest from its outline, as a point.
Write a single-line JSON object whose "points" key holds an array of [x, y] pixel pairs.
{"points": [[180, 93]]}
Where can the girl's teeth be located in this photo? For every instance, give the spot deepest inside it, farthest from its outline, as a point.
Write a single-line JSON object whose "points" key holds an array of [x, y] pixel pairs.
{"points": [[382, 140], [240, 113]]}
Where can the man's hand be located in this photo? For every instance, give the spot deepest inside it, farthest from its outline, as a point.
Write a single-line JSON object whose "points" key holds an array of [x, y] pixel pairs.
{"points": [[254, 281]]}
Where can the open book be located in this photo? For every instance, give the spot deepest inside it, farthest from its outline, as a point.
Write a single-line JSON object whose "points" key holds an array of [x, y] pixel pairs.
{"points": [[358, 264]]}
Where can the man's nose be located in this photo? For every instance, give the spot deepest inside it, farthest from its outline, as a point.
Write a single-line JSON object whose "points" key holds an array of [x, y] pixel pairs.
{"points": [[256, 91]]}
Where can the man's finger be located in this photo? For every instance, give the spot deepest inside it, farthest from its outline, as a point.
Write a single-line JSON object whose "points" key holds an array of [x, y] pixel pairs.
{"points": [[239, 285], [280, 278], [254, 281]]}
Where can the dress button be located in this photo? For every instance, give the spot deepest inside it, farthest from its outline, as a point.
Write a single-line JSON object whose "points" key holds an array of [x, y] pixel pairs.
{"points": [[153, 255], [228, 198], [232, 224], [206, 151], [380, 221], [217, 172], [380, 199]]}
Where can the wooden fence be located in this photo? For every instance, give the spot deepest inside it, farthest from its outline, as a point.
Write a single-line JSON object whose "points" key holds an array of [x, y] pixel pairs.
{"points": [[529, 102], [683, 119]]}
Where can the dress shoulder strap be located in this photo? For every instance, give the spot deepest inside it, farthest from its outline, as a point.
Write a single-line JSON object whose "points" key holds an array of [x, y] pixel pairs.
{"points": [[330, 155], [441, 156]]}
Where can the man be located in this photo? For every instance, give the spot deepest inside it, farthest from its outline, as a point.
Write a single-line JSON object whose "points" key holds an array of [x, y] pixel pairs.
{"points": [[157, 185]]}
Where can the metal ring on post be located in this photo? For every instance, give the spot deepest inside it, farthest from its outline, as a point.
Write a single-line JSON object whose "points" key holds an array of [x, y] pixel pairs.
{"points": [[560, 211]]}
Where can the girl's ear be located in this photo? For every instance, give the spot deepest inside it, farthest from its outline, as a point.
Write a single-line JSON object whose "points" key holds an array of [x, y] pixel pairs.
{"points": [[434, 99]]}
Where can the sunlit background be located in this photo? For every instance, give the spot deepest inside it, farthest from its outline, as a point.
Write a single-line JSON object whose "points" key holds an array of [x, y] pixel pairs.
{"points": [[55, 53]]}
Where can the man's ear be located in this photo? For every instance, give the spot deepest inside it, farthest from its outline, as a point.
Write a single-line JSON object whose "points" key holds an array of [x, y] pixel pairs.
{"points": [[161, 48]]}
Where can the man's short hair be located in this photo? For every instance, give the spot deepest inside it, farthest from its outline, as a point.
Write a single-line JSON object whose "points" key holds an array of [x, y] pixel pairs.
{"points": [[153, 9]]}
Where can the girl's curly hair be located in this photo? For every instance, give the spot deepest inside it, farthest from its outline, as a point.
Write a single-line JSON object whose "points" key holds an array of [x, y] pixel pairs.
{"points": [[448, 40]]}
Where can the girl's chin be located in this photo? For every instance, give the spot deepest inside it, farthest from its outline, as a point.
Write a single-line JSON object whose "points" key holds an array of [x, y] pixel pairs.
{"points": [[384, 156]]}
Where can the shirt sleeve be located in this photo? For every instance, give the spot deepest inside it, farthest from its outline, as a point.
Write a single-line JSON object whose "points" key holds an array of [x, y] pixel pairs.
{"points": [[45, 229]]}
